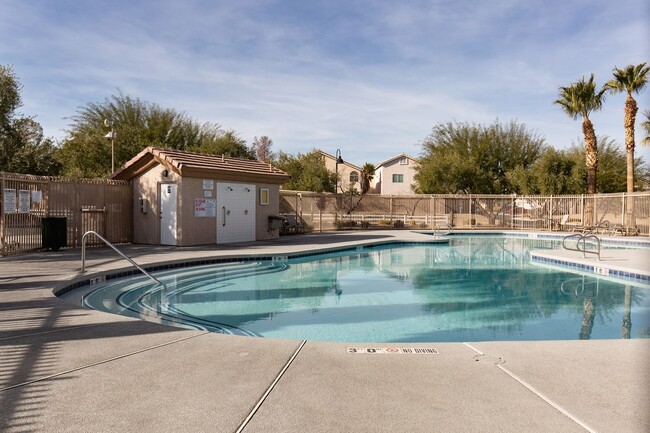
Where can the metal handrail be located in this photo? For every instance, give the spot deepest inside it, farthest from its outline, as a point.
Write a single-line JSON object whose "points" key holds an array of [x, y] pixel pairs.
{"points": [[450, 229], [107, 242], [581, 285], [582, 238]]}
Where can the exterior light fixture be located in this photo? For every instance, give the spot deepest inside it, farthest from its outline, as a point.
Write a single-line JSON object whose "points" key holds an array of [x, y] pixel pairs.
{"points": [[111, 135]]}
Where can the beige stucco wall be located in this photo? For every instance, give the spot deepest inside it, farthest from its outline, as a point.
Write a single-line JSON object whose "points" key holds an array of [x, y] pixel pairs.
{"points": [[262, 213], [383, 180], [191, 230]]}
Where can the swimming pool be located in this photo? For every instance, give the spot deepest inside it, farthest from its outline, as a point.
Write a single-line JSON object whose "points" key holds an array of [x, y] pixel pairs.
{"points": [[474, 289]]}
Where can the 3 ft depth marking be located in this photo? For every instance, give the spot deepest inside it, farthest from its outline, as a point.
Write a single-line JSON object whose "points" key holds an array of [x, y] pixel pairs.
{"points": [[394, 350]]}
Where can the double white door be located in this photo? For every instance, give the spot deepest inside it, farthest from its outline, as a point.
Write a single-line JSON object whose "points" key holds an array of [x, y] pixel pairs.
{"points": [[235, 212]]}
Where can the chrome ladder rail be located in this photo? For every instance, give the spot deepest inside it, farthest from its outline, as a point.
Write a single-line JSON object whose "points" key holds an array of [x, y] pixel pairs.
{"points": [[582, 238], [439, 227], [107, 242]]}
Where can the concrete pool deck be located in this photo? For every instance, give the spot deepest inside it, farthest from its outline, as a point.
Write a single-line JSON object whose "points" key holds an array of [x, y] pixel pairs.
{"points": [[67, 369]]}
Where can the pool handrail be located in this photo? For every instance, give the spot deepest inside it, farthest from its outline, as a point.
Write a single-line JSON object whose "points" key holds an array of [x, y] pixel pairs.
{"points": [[449, 227], [107, 242], [582, 238]]}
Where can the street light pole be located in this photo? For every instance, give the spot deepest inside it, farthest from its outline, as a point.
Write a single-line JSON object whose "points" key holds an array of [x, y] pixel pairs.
{"points": [[111, 135], [339, 160]]}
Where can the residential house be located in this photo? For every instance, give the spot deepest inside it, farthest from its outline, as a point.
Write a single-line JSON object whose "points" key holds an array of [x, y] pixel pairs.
{"points": [[395, 176], [349, 174]]}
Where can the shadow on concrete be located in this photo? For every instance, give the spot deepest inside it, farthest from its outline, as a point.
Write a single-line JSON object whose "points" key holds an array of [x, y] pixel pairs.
{"points": [[30, 350]]}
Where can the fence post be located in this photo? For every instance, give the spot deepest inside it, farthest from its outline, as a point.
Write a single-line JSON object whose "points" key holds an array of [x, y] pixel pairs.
{"points": [[512, 211], [2, 218]]}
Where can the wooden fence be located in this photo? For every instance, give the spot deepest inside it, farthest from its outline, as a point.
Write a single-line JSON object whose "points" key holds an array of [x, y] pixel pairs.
{"points": [[104, 206]]}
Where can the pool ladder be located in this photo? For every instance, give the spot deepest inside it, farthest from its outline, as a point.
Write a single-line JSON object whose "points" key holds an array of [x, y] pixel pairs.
{"points": [[438, 229], [581, 244], [107, 242]]}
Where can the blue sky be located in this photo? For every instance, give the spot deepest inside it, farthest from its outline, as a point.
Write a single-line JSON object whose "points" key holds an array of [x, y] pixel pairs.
{"points": [[368, 77]]}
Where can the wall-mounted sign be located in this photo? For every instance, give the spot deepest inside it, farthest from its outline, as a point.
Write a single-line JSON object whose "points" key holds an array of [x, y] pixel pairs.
{"points": [[9, 202], [23, 201], [207, 193], [37, 196], [208, 184], [205, 207]]}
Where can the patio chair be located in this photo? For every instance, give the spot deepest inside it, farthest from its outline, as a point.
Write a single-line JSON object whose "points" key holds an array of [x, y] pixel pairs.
{"points": [[562, 225], [293, 225]]}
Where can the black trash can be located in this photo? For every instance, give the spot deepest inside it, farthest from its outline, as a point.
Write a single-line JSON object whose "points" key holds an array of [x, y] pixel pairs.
{"points": [[55, 233]]}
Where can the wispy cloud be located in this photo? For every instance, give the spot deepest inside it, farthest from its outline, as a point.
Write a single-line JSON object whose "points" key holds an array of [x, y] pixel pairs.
{"points": [[368, 77]]}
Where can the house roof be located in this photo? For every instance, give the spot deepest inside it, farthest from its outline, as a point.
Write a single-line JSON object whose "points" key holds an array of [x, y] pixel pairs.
{"points": [[327, 155], [401, 155], [200, 165]]}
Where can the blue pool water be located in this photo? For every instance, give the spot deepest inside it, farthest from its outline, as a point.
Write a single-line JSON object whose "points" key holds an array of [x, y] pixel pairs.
{"points": [[475, 289]]}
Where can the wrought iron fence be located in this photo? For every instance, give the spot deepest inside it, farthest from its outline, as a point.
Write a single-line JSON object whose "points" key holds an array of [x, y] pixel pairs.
{"points": [[603, 213], [106, 206], [86, 204]]}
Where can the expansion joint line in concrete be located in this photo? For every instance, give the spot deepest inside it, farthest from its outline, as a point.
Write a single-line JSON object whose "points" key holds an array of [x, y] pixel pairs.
{"points": [[51, 376], [270, 388], [546, 399]]}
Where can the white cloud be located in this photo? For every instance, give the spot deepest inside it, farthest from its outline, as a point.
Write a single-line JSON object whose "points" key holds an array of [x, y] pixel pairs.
{"points": [[372, 79]]}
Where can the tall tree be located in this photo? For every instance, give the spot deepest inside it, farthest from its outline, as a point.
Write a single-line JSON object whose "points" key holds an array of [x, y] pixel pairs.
{"points": [[23, 147], [552, 174], [85, 152], [579, 100], [308, 172], [227, 143], [632, 79], [646, 128], [612, 167], [367, 175], [466, 158], [261, 148]]}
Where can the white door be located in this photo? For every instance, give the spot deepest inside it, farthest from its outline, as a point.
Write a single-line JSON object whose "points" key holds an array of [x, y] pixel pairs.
{"points": [[168, 213], [235, 212]]}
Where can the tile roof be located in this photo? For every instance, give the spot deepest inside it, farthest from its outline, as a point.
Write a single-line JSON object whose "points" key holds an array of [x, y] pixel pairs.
{"points": [[349, 164], [197, 164], [392, 158]]}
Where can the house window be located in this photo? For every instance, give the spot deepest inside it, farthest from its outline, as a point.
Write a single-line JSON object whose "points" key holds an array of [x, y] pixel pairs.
{"points": [[404, 161], [398, 178], [354, 177]]}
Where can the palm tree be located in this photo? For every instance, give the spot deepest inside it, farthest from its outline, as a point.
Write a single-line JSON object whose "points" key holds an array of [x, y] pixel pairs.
{"points": [[632, 79], [367, 175], [646, 128], [579, 100]]}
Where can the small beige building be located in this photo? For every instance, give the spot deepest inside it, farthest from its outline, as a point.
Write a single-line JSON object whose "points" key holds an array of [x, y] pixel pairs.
{"points": [[349, 174], [183, 198], [395, 176]]}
